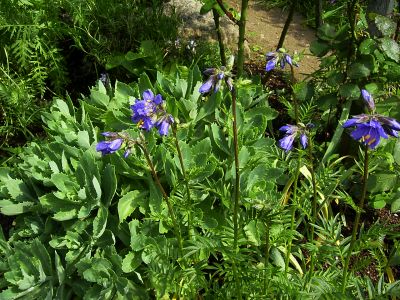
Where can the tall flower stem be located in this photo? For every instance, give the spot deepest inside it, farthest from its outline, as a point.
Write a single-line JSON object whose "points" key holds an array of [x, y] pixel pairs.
{"points": [[185, 179], [314, 201], [356, 220], [236, 196], [293, 212], [219, 35], [171, 212], [267, 233], [242, 31], [295, 103]]}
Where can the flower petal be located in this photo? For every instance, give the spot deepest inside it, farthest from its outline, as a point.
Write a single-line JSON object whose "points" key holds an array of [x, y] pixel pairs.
{"points": [[207, 86], [286, 142], [368, 99], [303, 140], [270, 65], [148, 95], [158, 99]]}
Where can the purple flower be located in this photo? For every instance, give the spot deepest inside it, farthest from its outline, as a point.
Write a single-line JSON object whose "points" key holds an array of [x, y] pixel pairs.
{"points": [[278, 57], [368, 100], [106, 147], [291, 132], [214, 81], [164, 123], [369, 129], [145, 111]]}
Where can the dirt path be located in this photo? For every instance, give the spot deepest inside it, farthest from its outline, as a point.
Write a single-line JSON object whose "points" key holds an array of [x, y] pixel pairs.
{"points": [[263, 30]]}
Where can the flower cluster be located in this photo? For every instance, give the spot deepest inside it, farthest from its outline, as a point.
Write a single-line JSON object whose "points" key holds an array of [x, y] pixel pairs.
{"points": [[213, 82], [291, 132], [278, 57], [370, 128], [150, 112]]}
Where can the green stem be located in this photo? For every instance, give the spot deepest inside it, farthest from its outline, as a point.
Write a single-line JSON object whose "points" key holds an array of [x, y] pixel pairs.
{"points": [[267, 225], [219, 35], [171, 212], [185, 179], [295, 103], [242, 31], [357, 219], [314, 202], [293, 214], [237, 185]]}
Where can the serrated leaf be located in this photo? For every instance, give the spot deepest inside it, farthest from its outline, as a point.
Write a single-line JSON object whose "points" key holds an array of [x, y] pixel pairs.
{"points": [[381, 182], [252, 233], [100, 222], [130, 262], [129, 202], [358, 70], [319, 48], [385, 25], [109, 184], [350, 91], [83, 139], [391, 48]]}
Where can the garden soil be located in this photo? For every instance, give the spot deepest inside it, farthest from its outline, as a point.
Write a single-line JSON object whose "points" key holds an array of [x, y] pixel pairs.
{"points": [[263, 29]]}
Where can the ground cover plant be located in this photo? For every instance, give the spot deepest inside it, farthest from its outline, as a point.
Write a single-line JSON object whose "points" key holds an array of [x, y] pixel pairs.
{"points": [[192, 183]]}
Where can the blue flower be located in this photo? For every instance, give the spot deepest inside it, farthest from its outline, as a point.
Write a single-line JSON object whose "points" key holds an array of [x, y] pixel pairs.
{"points": [[291, 132], [278, 57], [145, 111], [106, 147], [369, 101], [214, 80], [369, 129], [164, 123]]}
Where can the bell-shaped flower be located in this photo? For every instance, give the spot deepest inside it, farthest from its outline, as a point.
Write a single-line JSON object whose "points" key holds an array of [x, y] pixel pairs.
{"points": [[369, 129], [111, 146], [278, 57], [291, 133], [214, 80]]}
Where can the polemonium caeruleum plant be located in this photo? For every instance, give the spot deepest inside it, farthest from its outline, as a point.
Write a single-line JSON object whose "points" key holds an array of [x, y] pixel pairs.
{"points": [[148, 112], [368, 130], [302, 132]]}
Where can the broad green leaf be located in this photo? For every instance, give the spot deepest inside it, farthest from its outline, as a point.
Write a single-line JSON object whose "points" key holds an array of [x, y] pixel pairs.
{"points": [[130, 262], [319, 48], [358, 70], [395, 206], [385, 25], [252, 232], [381, 182], [350, 91], [109, 184], [391, 48], [100, 222], [59, 268], [129, 202]]}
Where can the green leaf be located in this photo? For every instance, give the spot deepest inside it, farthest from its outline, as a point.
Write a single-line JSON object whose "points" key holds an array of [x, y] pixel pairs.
{"points": [[252, 232], [129, 202], [358, 70], [350, 91], [131, 262], [385, 25], [220, 139], [395, 207], [319, 48], [83, 139], [145, 84], [367, 46], [109, 184], [207, 6], [59, 268], [303, 90], [381, 182], [100, 222], [391, 48]]}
